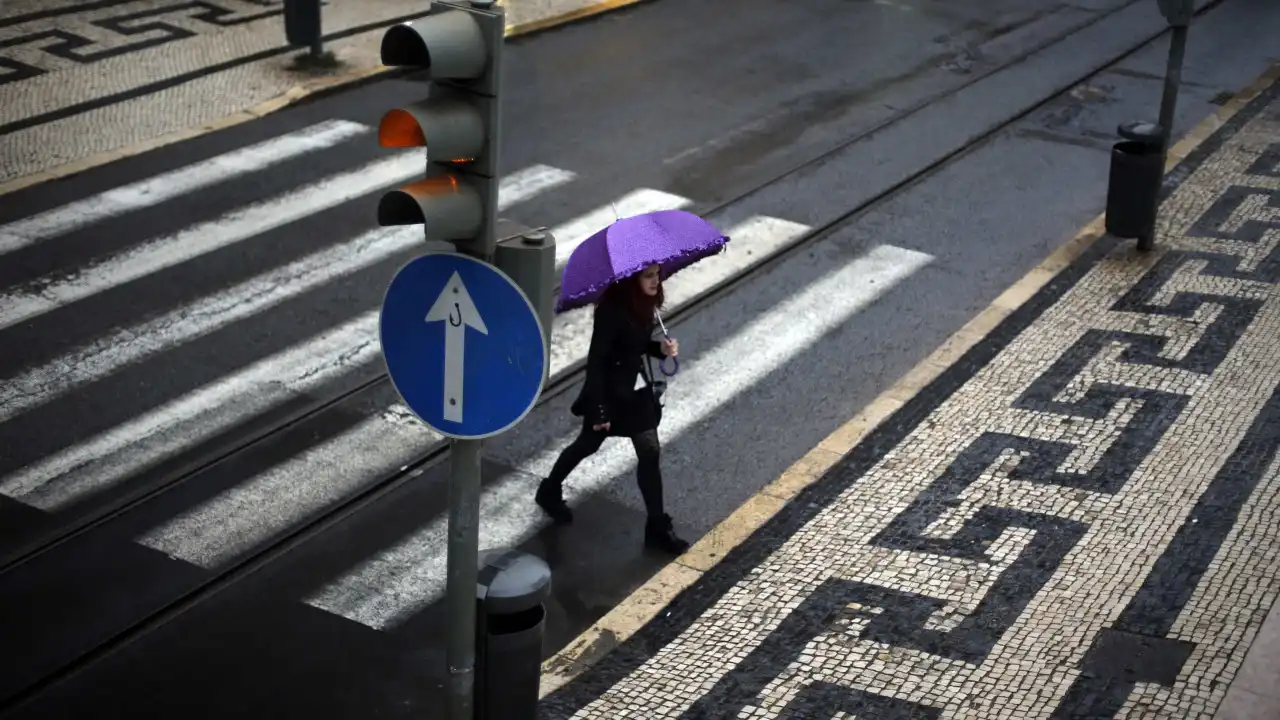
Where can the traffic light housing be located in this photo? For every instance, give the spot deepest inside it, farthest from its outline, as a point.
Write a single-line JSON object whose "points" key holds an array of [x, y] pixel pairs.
{"points": [[459, 43]]}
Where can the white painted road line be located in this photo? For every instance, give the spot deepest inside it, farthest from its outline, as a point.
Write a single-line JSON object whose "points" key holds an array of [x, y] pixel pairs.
{"points": [[527, 184], [137, 342], [251, 513], [142, 260], [132, 344], [125, 449], [158, 189], [768, 343], [254, 511], [397, 583], [571, 234], [393, 585]]}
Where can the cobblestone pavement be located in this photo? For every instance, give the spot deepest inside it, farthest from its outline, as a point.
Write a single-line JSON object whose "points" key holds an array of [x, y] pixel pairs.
{"points": [[1076, 520], [85, 78]]}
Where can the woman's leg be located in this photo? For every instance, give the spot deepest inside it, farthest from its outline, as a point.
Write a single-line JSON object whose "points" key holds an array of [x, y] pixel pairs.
{"points": [[658, 532], [550, 496]]}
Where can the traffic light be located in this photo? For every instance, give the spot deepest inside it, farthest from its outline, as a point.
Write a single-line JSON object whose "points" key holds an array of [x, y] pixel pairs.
{"points": [[459, 43]]}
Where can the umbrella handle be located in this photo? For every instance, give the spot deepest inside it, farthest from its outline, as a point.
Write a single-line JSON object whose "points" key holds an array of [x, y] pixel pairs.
{"points": [[662, 365]]}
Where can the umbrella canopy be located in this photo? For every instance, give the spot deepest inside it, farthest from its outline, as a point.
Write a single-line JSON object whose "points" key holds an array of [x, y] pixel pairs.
{"points": [[671, 239]]}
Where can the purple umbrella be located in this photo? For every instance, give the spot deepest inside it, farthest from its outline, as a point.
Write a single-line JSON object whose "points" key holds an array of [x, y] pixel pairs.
{"points": [[672, 239]]}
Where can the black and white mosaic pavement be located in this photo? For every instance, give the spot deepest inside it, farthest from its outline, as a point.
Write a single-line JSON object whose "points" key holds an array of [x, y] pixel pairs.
{"points": [[35, 42], [1077, 520]]}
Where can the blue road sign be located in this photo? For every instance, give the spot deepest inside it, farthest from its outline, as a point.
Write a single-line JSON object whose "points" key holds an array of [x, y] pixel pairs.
{"points": [[463, 345]]}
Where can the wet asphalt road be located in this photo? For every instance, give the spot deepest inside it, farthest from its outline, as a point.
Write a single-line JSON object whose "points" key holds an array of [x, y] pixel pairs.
{"points": [[343, 620]]}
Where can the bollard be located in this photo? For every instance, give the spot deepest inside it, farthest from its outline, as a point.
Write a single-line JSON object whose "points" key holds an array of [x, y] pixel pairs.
{"points": [[510, 622], [1133, 186], [302, 27]]}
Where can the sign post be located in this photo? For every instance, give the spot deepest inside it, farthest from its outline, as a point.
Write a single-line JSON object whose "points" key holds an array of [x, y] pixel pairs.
{"points": [[1178, 14], [464, 348], [463, 343]]}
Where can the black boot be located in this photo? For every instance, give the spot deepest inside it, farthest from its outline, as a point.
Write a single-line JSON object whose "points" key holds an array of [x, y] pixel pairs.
{"points": [[550, 499], [659, 535]]}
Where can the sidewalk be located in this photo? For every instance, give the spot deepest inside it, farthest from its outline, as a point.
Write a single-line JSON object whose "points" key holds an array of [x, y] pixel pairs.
{"points": [[86, 83], [1068, 511]]}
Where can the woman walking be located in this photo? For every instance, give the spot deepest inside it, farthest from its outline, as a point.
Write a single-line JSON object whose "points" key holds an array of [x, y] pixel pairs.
{"points": [[610, 405]]}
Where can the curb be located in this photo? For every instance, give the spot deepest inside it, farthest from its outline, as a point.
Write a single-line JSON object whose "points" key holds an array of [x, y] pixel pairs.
{"points": [[309, 90], [649, 599]]}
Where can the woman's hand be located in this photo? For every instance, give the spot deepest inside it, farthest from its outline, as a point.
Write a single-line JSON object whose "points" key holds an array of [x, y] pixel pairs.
{"points": [[598, 428], [670, 347]]}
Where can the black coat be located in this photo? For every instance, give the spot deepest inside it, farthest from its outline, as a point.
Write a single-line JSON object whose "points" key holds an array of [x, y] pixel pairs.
{"points": [[614, 360]]}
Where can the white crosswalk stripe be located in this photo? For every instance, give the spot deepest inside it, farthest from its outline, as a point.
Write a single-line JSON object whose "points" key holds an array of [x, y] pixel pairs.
{"points": [[131, 344], [188, 244], [186, 537], [392, 585], [155, 190], [125, 449], [397, 583]]}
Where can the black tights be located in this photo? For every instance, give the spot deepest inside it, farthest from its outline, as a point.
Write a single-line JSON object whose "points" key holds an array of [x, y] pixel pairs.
{"points": [[648, 472]]}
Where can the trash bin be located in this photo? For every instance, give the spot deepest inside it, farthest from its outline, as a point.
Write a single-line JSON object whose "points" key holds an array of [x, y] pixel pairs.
{"points": [[510, 620], [1133, 187], [301, 22]]}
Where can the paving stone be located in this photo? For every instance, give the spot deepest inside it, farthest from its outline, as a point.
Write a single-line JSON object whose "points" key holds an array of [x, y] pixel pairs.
{"points": [[83, 79], [1085, 527]]}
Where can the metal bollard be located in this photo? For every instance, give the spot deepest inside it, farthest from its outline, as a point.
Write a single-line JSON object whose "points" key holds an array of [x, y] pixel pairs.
{"points": [[1133, 186], [302, 26], [510, 623]]}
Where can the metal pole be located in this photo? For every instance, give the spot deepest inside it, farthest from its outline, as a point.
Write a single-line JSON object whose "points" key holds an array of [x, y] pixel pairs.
{"points": [[462, 575], [1172, 81], [317, 48], [1168, 104], [464, 455]]}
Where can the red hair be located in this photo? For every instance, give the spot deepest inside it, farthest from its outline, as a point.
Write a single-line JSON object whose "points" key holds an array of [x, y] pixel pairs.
{"points": [[627, 294]]}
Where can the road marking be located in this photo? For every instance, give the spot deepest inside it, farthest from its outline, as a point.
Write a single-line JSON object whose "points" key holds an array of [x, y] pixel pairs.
{"points": [[124, 346], [526, 184], [128, 448], [52, 292], [131, 344], [158, 189], [256, 510], [248, 514], [390, 587], [571, 234]]}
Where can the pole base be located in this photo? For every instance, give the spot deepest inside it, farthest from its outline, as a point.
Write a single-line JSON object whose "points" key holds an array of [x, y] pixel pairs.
{"points": [[313, 62]]}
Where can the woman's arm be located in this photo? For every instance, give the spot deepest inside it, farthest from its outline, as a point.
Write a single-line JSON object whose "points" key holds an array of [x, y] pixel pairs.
{"points": [[604, 329]]}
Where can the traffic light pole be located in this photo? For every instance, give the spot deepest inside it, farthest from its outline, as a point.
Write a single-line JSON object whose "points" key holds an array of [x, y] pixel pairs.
{"points": [[460, 43], [462, 574]]}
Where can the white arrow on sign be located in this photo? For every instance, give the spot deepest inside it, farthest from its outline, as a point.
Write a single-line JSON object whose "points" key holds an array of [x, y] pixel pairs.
{"points": [[455, 308]]}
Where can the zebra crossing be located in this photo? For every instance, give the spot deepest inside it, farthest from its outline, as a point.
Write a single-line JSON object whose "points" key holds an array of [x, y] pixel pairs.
{"points": [[387, 588]]}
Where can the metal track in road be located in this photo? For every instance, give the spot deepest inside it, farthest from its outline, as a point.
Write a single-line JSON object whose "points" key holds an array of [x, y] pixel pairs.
{"points": [[560, 383]]}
